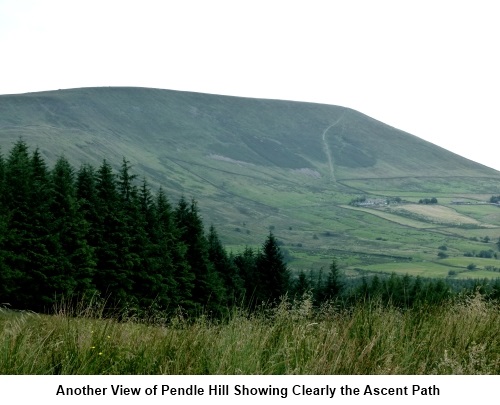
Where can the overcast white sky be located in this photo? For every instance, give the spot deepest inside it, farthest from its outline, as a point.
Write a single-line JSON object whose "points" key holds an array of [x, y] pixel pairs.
{"points": [[430, 68]]}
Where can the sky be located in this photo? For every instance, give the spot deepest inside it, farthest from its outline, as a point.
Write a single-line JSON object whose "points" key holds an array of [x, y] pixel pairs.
{"points": [[430, 68]]}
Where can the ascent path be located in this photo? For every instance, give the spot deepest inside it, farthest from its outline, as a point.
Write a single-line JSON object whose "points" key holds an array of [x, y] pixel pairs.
{"points": [[327, 148]]}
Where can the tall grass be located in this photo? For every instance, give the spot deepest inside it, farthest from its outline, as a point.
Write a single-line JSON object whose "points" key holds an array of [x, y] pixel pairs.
{"points": [[294, 338]]}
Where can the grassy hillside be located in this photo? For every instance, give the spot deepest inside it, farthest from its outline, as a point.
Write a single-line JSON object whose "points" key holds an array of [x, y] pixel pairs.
{"points": [[256, 165]]}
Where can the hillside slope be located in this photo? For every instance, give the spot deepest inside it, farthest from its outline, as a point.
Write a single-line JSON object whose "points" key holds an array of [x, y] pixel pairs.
{"points": [[257, 164]]}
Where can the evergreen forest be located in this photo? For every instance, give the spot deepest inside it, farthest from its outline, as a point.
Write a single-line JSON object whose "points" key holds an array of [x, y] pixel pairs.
{"points": [[73, 235], [77, 234]]}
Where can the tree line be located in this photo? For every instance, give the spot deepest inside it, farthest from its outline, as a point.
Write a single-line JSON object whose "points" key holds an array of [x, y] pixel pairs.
{"points": [[81, 233], [68, 234]]}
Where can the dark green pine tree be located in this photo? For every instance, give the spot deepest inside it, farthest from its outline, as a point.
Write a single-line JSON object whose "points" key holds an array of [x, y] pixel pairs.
{"points": [[147, 206], [362, 293], [86, 195], [86, 192], [75, 261], [150, 286], [29, 244], [334, 282], [2, 183], [154, 282], [404, 293], [113, 277], [16, 271], [376, 287], [208, 290], [318, 289], [170, 253], [44, 243], [439, 291], [126, 187], [301, 285], [272, 273], [4, 271], [226, 269], [494, 293], [417, 289], [246, 262], [390, 290], [134, 241]]}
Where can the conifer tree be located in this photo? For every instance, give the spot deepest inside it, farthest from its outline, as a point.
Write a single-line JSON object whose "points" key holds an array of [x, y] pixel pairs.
{"points": [[318, 289], [149, 284], [27, 242], [134, 241], [301, 285], [126, 187], [154, 281], [226, 269], [416, 291], [376, 287], [171, 256], [390, 289], [363, 290], [404, 292], [246, 262], [438, 292], [86, 192], [208, 290], [273, 274], [113, 277], [17, 178], [86, 196], [4, 271], [15, 226], [334, 284], [2, 183], [75, 261]]}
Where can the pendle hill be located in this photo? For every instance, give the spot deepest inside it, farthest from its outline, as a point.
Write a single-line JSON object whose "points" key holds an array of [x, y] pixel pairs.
{"points": [[328, 181]]}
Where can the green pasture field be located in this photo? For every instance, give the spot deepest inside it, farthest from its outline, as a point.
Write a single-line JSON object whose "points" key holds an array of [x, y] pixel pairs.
{"points": [[482, 212], [478, 274], [475, 234], [423, 269], [392, 217], [438, 269], [462, 261]]}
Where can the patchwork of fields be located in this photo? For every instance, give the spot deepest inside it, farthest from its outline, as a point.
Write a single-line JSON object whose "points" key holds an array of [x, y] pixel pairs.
{"points": [[473, 231]]}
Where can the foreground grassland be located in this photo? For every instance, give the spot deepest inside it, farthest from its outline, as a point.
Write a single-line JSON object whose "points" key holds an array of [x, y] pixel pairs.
{"points": [[459, 338]]}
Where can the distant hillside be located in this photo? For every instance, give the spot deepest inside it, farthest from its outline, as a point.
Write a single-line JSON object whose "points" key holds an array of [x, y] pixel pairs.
{"points": [[257, 164], [96, 122]]}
